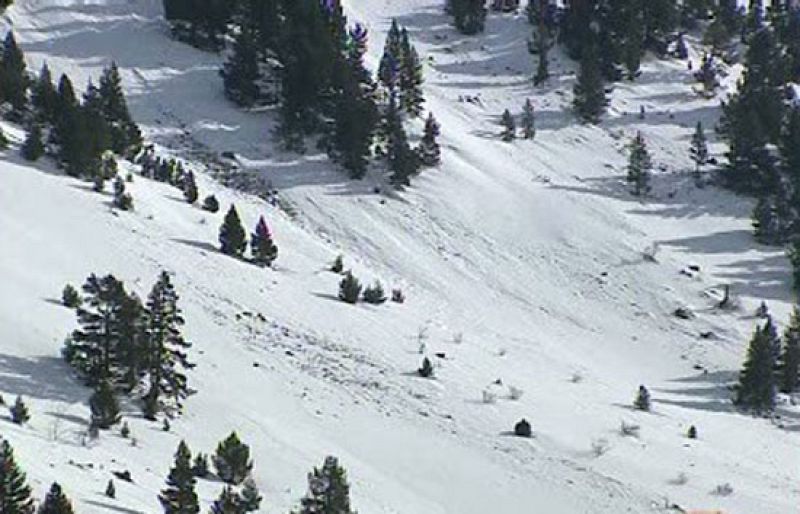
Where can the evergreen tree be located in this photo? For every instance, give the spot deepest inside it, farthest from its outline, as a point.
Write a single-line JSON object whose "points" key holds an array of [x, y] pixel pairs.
{"points": [[19, 412], [542, 45], [14, 81], [179, 497], [211, 204], [699, 148], [528, 122], [374, 294], [126, 138], [200, 466], [104, 406], [756, 389], [262, 246], [389, 67], [639, 165], [789, 146], [70, 297], [250, 497], [509, 127], [122, 200], [241, 73], [642, 401], [228, 502], [15, 494], [111, 491], [428, 151], [403, 161], [166, 346], [410, 78], [232, 460], [349, 288], [789, 363], [44, 96], [328, 490], [707, 75], [794, 258], [33, 147], [469, 16], [426, 370], [56, 502], [692, 432], [589, 93], [189, 187], [523, 428], [232, 237], [93, 347]]}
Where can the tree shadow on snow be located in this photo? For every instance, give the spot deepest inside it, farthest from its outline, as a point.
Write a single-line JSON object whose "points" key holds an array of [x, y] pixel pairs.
{"points": [[42, 377], [114, 508], [707, 392], [200, 245]]}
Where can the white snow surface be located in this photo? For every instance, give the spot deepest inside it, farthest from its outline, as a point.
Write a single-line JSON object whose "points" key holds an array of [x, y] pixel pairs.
{"points": [[521, 262]]}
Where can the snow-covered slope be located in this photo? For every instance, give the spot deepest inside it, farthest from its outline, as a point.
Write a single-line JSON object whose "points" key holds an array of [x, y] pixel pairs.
{"points": [[521, 262]]}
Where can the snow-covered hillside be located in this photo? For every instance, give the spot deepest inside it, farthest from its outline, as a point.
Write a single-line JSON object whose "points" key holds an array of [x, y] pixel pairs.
{"points": [[521, 262]]}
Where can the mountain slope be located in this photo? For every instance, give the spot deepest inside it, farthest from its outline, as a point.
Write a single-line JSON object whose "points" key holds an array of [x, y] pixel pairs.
{"points": [[520, 261]]}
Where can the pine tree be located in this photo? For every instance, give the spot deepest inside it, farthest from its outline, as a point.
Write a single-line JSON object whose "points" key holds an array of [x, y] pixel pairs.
{"points": [[469, 16], [509, 127], [411, 78], [166, 346], [403, 161], [240, 72], [426, 370], [349, 288], [111, 491], [211, 204], [104, 406], [589, 92], [789, 364], [756, 389], [328, 490], [250, 498], [523, 428], [179, 497], [189, 187], [428, 151], [122, 199], [228, 502], [126, 138], [200, 466], [692, 432], [374, 294], [699, 148], [542, 46], [232, 460], [19, 412], [70, 297], [639, 165], [794, 257], [33, 147], [56, 502], [642, 401], [262, 246], [93, 347], [528, 122], [14, 81], [15, 494], [389, 67], [232, 237], [44, 96]]}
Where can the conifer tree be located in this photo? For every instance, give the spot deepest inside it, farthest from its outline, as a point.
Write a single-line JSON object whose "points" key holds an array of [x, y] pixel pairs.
{"points": [[699, 148], [33, 147], [111, 491], [794, 258], [200, 465], [166, 346], [389, 67], [528, 122], [15, 494], [104, 406], [250, 497], [19, 412], [189, 187], [122, 199], [542, 44], [179, 496], [469, 16], [211, 204], [240, 72], [70, 297], [232, 460], [262, 246], [639, 165], [403, 161], [328, 490], [349, 288], [228, 502], [55, 502], [429, 152], [426, 370], [14, 81], [126, 137], [374, 294], [410, 79], [756, 389], [789, 364], [589, 92], [509, 126], [232, 237], [642, 401], [44, 96]]}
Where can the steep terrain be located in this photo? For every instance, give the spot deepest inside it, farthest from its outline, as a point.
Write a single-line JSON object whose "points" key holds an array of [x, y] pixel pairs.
{"points": [[521, 262]]}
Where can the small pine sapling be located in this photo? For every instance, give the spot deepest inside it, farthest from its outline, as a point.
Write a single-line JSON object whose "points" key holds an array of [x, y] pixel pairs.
{"points": [[398, 296], [211, 204], [374, 294], [19, 412], [349, 288], [338, 264], [426, 371], [523, 428], [642, 401], [692, 432], [509, 132], [70, 297], [111, 491]]}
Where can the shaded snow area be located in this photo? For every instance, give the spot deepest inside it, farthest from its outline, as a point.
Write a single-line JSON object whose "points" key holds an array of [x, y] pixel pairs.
{"points": [[521, 262]]}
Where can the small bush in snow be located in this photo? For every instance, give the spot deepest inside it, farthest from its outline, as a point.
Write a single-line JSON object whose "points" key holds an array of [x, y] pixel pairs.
{"points": [[122, 200], [723, 489], [629, 429], [692, 432], [374, 294], [349, 288], [398, 296], [426, 371], [19, 412], [210, 204], [514, 393], [111, 491], [523, 428], [600, 447], [338, 264], [681, 479], [488, 396], [125, 431]]}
